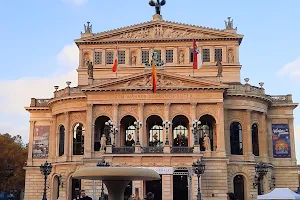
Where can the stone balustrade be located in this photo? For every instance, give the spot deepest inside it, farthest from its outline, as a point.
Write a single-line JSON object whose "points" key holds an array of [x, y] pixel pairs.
{"points": [[39, 102], [67, 92], [247, 89]]}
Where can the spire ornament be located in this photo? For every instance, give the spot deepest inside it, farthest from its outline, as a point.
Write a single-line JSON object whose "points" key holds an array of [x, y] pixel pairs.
{"points": [[157, 5]]}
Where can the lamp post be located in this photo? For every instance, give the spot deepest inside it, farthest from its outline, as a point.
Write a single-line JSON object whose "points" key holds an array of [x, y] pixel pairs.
{"points": [[138, 125], [102, 163], [261, 169], [113, 129], [198, 168], [109, 125], [45, 170], [196, 128], [166, 125]]}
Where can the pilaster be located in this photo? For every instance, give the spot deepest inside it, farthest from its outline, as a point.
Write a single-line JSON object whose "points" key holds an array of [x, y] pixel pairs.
{"points": [[116, 121], [167, 117], [88, 133], [270, 142], [220, 130], [247, 140], [141, 118], [53, 151], [175, 55], [167, 187], [30, 145], [292, 139], [127, 56], [193, 114], [263, 137], [226, 132], [68, 137]]}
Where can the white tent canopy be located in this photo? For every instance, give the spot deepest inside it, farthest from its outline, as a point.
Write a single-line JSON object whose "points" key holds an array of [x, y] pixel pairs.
{"points": [[280, 194]]}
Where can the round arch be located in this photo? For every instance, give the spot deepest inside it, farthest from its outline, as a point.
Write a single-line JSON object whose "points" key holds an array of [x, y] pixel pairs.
{"points": [[128, 135], [255, 139], [54, 186], [78, 132], [208, 128], [99, 129], [216, 118], [246, 184], [180, 130], [154, 129]]}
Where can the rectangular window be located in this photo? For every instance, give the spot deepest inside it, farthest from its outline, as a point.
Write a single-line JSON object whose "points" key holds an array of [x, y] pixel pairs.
{"points": [[158, 55], [169, 56], [109, 57], [145, 56], [218, 54], [191, 55], [206, 55], [121, 57], [98, 58]]}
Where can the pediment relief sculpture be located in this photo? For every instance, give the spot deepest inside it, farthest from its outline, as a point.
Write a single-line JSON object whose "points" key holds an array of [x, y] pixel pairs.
{"points": [[147, 82], [157, 32]]}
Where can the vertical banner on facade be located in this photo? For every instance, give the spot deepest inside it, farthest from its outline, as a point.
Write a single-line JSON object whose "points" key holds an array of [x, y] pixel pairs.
{"points": [[281, 141], [40, 146]]}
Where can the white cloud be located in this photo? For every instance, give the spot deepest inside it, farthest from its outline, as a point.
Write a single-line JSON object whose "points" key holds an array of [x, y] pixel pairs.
{"points": [[76, 2], [291, 69], [16, 94]]}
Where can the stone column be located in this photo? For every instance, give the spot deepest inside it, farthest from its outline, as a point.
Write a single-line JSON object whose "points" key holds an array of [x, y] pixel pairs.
{"points": [[167, 148], [193, 115], [292, 139], [263, 137], [53, 139], [270, 142], [127, 56], [175, 55], [141, 130], [88, 132], [104, 57], [226, 132], [68, 137], [167, 187], [116, 123], [247, 140], [220, 130], [30, 145]]}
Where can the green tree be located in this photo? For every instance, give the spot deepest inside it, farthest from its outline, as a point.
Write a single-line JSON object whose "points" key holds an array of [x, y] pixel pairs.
{"points": [[13, 156]]}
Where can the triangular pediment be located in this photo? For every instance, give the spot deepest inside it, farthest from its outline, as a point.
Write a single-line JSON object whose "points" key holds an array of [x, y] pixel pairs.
{"points": [[155, 30], [165, 81]]}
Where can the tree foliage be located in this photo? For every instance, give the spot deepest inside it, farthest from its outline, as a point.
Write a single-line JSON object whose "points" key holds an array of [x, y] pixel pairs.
{"points": [[13, 156]]}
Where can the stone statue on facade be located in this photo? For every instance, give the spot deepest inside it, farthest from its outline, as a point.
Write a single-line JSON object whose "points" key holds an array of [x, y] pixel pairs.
{"points": [[230, 56], [91, 70], [220, 68], [133, 60], [103, 142], [88, 28], [181, 57], [86, 60], [157, 5], [206, 140]]}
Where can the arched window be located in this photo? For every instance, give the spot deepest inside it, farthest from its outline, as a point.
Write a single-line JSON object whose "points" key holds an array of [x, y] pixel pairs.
{"points": [[61, 145], [99, 131], [156, 136], [78, 139], [236, 139], [208, 123], [130, 134], [180, 131], [127, 131], [255, 144], [55, 190], [238, 184], [155, 130]]}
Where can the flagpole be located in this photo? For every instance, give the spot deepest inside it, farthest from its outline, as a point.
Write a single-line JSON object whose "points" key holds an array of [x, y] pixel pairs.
{"points": [[117, 49]]}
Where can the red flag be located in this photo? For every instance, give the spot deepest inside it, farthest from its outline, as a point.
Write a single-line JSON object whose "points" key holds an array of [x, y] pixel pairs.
{"points": [[115, 65], [153, 77], [197, 61]]}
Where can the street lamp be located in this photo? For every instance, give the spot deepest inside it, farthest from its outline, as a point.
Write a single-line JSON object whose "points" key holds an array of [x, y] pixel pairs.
{"points": [[138, 125], [113, 129], [108, 126], [198, 168], [261, 169], [196, 128], [166, 125], [45, 170]]}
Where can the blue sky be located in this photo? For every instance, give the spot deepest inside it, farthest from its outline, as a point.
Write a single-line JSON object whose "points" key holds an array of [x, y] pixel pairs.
{"points": [[38, 50]]}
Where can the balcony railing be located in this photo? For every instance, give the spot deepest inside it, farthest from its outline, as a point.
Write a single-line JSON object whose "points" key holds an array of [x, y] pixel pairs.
{"points": [[281, 98], [39, 102], [153, 149], [67, 92], [182, 150], [123, 150]]}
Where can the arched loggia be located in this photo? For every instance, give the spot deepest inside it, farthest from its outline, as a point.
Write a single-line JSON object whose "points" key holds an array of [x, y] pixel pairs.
{"points": [[99, 131], [180, 124]]}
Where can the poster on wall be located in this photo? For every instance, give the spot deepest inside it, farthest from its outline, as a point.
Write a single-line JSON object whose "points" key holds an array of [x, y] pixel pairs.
{"points": [[40, 146], [281, 141]]}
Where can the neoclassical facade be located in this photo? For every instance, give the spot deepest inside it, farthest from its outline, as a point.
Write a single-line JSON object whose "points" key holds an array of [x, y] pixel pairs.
{"points": [[116, 116]]}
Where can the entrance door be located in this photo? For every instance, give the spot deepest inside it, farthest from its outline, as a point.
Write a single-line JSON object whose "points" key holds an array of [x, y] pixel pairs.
{"points": [[155, 187], [76, 187], [180, 187], [238, 183]]}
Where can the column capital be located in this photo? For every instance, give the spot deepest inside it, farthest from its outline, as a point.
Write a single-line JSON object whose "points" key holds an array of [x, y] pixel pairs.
{"points": [[141, 104], [90, 105], [32, 121], [115, 104], [194, 105], [67, 112], [167, 104]]}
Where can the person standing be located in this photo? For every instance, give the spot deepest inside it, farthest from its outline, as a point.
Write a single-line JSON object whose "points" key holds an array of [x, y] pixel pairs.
{"points": [[83, 196], [230, 196]]}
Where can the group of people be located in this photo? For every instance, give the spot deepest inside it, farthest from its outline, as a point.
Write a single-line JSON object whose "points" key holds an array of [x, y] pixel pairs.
{"points": [[149, 196]]}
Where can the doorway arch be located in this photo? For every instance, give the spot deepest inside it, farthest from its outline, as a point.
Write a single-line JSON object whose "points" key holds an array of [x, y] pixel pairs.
{"points": [[239, 187]]}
